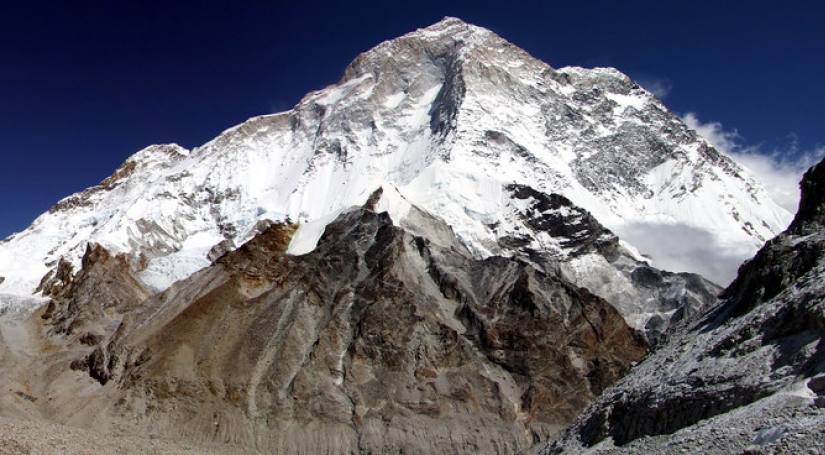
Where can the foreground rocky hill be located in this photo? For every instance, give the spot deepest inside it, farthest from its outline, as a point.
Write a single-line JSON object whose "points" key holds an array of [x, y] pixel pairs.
{"points": [[747, 377]]}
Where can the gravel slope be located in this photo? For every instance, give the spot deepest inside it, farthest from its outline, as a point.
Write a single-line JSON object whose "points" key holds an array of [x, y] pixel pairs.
{"points": [[19, 437]]}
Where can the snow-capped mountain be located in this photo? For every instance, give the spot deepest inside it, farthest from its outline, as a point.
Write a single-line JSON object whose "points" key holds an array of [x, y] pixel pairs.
{"points": [[446, 118]]}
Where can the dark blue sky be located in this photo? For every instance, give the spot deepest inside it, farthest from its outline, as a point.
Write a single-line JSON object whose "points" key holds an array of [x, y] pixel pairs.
{"points": [[85, 84]]}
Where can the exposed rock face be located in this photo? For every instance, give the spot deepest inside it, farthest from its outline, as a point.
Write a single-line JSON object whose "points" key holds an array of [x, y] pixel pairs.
{"points": [[95, 298], [57, 279], [749, 373], [553, 232], [811, 213], [379, 341], [220, 249], [570, 230]]}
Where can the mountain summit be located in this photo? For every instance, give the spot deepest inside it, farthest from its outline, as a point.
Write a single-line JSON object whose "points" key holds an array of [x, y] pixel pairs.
{"points": [[443, 118]]}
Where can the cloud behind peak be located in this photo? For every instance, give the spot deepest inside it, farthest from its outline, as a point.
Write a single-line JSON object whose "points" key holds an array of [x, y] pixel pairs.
{"points": [[778, 169]]}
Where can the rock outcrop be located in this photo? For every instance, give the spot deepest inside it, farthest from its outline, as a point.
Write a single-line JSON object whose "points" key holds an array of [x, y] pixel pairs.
{"points": [[553, 232], [92, 302]]}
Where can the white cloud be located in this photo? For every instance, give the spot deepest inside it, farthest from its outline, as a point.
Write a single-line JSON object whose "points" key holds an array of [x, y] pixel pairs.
{"points": [[780, 174], [713, 132], [779, 170], [660, 88], [682, 248]]}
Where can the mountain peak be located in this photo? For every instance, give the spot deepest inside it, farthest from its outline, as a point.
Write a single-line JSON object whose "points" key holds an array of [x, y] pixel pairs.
{"points": [[163, 152], [442, 41], [450, 24], [451, 20]]}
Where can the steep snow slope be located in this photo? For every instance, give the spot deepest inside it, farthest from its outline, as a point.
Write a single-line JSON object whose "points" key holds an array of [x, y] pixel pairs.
{"points": [[444, 117]]}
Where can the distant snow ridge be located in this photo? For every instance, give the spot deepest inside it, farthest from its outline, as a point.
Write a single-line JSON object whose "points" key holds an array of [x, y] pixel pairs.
{"points": [[443, 118]]}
